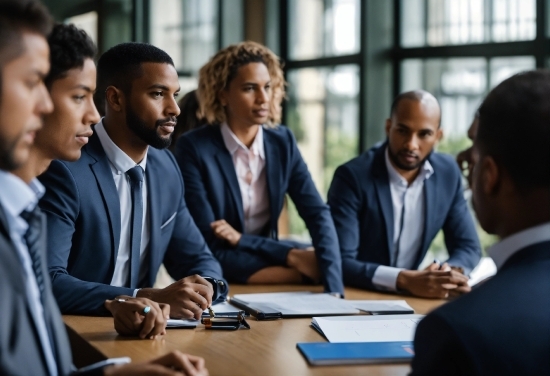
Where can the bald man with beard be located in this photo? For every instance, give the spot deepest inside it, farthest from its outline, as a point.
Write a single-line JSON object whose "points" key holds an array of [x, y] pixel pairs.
{"points": [[389, 203]]}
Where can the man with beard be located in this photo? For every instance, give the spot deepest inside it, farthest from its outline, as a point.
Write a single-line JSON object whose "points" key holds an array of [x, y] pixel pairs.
{"points": [[118, 212], [389, 203], [502, 326]]}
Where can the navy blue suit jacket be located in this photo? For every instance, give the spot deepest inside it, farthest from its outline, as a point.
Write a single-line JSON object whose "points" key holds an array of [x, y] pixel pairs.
{"points": [[213, 193], [502, 327], [84, 225], [361, 205]]}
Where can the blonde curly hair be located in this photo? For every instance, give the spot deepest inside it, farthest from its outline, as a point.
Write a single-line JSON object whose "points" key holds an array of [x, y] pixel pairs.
{"points": [[216, 75]]}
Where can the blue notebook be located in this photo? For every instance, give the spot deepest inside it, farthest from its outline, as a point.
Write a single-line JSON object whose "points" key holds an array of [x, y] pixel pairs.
{"points": [[326, 353]]}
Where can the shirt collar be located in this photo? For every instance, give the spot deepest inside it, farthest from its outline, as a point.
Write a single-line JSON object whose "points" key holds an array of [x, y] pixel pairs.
{"points": [[232, 142], [16, 196], [119, 159], [426, 170], [507, 247]]}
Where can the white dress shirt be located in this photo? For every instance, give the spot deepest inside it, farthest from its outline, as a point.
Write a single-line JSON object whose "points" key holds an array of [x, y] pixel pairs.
{"points": [[250, 169], [507, 247], [15, 198], [120, 163], [410, 236]]}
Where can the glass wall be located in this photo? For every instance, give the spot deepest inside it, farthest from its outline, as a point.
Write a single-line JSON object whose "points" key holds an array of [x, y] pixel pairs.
{"points": [[188, 31], [331, 28], [461, 74], [448, 22], [323, 99]]}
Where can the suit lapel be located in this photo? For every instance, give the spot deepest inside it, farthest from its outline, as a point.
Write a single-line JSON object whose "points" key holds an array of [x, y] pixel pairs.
{"points": [[382, 184], [104, 178], [223, 158], [154, 192], [273, 174]]}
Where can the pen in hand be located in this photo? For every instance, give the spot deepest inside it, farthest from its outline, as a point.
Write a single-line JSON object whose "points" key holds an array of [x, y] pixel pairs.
{"points": [[211, 312]]}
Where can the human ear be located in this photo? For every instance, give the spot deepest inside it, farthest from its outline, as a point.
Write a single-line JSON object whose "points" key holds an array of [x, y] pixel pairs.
{"points": [[115, 98], [222, 97], [439, 135], [490, 175]]}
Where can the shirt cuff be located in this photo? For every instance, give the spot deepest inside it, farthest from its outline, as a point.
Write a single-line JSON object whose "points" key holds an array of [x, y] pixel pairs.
{"points": [[385, 277], [135, 293]]}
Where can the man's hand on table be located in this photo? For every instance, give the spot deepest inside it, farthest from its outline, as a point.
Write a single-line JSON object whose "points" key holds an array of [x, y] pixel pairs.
{"points": [[132, 317], [172, 364], [187, 298], [433, 283]]}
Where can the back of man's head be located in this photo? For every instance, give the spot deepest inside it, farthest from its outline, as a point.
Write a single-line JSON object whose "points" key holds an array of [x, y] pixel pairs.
{"points": [[514, 128], [16, 17], [69, 48], [121, 64]]}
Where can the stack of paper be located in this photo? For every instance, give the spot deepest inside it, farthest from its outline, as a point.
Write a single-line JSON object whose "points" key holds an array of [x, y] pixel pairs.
{"points": [[389, 328], [382, 307], [295, 304], [485, 268]]}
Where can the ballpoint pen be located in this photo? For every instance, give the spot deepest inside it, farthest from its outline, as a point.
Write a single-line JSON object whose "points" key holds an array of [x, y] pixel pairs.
{"points": [[211, 312]]}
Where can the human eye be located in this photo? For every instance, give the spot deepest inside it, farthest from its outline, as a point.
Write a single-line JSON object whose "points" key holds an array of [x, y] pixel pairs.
{"points": [[79, 98], [157, 94], [425, 134], [32, 83]]}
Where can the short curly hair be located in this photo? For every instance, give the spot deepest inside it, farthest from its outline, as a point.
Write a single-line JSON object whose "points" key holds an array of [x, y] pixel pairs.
{"points": [[217, 74], [69, 48]]}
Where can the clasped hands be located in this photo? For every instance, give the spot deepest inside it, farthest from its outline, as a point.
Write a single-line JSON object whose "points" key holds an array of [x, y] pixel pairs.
{"points": [[436, 281]]}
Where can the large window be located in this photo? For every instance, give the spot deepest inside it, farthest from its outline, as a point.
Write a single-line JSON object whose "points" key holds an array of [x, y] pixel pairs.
{"points": [[460, 49], [323, 72], [188, 31], [456, 49]]}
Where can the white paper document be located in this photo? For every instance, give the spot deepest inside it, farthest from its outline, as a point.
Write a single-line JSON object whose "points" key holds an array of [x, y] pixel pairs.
{"points": [[381, 307], [300, 303], [389, 328], [485, 268]]}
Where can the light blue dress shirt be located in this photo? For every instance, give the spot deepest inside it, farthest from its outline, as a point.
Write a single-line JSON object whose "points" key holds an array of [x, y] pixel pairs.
{"points": [[15, 198], [410, 235]]}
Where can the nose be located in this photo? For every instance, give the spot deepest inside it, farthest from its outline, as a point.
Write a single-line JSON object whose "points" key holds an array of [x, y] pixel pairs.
{"points": [[412, 143], [172, 108], [262, 96], [92, 115], [44, 101]]}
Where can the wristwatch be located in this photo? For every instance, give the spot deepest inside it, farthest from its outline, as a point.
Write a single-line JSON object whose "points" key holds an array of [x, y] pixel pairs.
{"points": [[219, 286]]}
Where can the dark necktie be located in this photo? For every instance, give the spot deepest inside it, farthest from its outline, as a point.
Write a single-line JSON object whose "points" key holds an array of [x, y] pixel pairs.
{"points": [[35, 239], [136, 182], [400, 233]]}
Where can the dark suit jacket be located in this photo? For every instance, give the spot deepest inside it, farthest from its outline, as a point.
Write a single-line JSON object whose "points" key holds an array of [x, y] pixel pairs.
{"points": [[83, 211], [20, 348], [213, 193], [361, 205], [500, 328]]}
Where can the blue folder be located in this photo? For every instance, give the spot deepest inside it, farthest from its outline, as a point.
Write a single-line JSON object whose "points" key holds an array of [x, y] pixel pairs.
{"points": [[326, 353]]}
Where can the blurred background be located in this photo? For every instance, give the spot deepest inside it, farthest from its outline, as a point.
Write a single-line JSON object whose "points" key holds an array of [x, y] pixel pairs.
{"points": [[344, 60]]}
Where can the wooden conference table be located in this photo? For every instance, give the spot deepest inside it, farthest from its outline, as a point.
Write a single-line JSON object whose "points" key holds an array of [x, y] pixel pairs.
{"points": [[269, 348]]}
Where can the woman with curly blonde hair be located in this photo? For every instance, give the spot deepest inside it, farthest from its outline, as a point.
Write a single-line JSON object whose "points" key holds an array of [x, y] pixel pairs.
{"points": [[238, 169]]}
